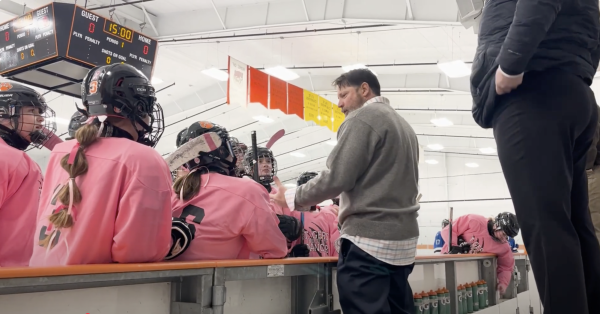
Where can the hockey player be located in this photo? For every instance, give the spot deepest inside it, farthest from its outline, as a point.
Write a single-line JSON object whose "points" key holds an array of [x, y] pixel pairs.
{"points": [[24, 114], [438, 242], [483, 235], [239, 150], [77, 120], [231, 216], [320, 230], [107, 194], [267, 166]]}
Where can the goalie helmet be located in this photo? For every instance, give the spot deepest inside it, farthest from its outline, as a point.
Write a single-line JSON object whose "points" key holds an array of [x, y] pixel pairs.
{"points": [[122, 91], [267, 165]]}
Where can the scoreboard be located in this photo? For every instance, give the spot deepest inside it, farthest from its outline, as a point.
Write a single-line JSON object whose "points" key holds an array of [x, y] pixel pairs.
{"points": [[54, 46], [99, 41]]}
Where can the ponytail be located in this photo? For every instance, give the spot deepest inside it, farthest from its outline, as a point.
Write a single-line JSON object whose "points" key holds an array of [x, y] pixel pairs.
{"points": [[188, 185], [70, 195]]}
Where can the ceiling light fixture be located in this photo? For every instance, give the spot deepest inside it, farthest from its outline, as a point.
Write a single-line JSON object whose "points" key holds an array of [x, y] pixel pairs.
{"points": [[432, 161], [282, 73], [332, 142], [262, 119], [216, 74], [455, 68], [297, 154], [487, 150], [472, 165], [155, 80], [435, 146], [441, 122]]}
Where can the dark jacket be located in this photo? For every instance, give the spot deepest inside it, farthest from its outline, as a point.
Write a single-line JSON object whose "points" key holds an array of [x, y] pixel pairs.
{"points": [[593, 158], [532, 35]]}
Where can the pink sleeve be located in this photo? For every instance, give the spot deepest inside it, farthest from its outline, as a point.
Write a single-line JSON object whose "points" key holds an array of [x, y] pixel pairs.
{"points": [[334, 235], [263, 235], [506, 264], [459, 226], [143, 224]]}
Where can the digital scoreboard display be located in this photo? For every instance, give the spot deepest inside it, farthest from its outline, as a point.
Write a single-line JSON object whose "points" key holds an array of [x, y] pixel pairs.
{"points": [[99, 41], [28, 39]]}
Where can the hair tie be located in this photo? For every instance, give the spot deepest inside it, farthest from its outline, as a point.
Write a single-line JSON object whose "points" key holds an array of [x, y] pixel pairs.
{"points": [[73, 153]]}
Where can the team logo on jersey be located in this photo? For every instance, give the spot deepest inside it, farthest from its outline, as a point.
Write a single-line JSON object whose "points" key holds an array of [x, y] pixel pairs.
{"points": [[5, 86]]}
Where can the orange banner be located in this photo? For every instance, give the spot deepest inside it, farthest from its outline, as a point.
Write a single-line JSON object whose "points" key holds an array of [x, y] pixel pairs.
{"points": [[259, 87], [295, 100], [279, 94]]}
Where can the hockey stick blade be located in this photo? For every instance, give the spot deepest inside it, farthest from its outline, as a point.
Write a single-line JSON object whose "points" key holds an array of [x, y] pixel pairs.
{"points": [[279, 134], [206, 142]]}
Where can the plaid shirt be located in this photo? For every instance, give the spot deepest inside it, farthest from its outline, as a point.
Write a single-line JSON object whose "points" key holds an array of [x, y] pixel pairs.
{"points": [[398, 253]]}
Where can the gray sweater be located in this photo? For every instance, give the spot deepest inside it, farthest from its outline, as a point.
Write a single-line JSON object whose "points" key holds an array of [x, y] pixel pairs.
{"points": [[374, 167]]}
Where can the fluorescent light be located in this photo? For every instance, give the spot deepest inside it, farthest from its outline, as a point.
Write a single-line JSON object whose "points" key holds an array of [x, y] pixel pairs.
{"points": [[349, 68], [441, 122], [432, 161], [435, 146], [290, 185], [262, 119], [216, 74], [487, 150], [332, 142], [282, 73], [156, 80], [455, 69], [472, 165], [59, 120], [297, 154]]}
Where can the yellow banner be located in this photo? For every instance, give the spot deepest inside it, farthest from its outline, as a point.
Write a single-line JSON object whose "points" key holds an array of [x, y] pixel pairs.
{"points": [[325, 112], [338, 118], [311, 107]]}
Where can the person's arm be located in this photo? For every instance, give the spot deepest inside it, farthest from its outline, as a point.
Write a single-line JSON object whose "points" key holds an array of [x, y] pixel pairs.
{"points": [[263, 236], [143, 224], [506, 264], [459, 226], [347, 162], [531, 22]]}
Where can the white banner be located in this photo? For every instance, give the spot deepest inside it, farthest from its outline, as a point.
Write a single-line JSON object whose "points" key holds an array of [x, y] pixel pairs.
{"points": [[238, 83]]}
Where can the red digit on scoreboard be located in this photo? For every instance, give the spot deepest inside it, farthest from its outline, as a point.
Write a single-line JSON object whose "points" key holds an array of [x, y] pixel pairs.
{"points": [[145, 50], [6, 36], [92, 27]]}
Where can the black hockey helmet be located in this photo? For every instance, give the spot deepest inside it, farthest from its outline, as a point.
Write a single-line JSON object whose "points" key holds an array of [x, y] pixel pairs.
{"points": [[305, 177], [216, 160], [122, 91], [507, 222], [14, 98], [77, 120], [263, 153], [180, 135], [445, 222]]}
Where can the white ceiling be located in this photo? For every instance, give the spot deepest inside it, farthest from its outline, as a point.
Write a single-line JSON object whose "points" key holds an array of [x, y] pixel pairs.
{"points": [[417, 34]]}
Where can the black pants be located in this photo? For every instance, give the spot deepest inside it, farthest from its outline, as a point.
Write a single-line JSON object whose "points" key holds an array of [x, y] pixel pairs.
{"points": [[369, 286], [543, 131]]}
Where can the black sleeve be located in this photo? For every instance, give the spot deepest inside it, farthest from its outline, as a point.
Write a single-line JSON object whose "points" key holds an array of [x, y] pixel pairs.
{"points": [[532, 20]]}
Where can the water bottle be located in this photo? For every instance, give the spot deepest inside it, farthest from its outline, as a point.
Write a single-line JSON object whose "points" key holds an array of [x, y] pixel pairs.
{"points": [[433, 301], [448, 301], [469, 292], [460, 297], [475, 297], [418, 303], [485, 294], [481, 295], [441, 301], [425, 297]]}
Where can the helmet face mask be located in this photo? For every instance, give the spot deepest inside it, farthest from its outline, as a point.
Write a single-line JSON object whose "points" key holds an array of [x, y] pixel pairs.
{"points": [[122, 91], [31, 121], [267, 165], [239, 149]]}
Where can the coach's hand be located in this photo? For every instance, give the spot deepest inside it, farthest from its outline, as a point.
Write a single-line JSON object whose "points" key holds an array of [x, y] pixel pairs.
{"points": [[279, 197]]}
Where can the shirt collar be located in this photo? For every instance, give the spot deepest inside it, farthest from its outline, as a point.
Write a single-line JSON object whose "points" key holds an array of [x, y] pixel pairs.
{"points": [[380, 99]]}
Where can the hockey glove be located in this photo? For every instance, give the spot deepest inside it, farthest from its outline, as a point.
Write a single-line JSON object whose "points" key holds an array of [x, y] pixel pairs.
{"points": [[182, 235], [463, 247], [300, 250], [290, 227]]}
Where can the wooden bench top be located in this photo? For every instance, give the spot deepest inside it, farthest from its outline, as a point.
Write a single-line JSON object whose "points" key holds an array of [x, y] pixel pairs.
{"points": [[26, 272]]}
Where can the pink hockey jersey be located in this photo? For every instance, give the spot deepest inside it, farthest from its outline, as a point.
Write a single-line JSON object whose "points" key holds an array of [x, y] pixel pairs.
{"points": [[20, 187], [319, 232], [475, 226], [233, 220], [125, 212]]}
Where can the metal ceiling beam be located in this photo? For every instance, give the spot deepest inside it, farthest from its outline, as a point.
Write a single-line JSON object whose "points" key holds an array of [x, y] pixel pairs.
{"points": [[293, 13]]}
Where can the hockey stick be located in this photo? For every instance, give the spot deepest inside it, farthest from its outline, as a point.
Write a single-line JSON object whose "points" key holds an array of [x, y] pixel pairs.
{"points": [[279, 134], [206, 142], [254, 157]]}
